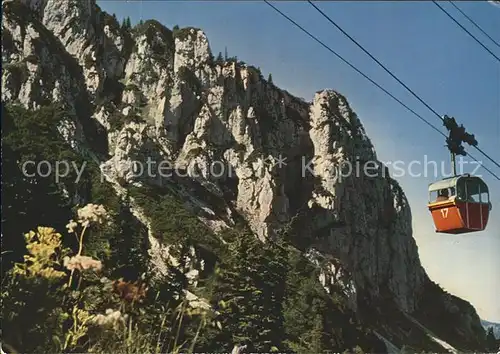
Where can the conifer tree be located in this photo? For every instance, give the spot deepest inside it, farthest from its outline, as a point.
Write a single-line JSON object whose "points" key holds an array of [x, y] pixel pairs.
{"points": [[219, 59], [490, 339], [249, 294]]}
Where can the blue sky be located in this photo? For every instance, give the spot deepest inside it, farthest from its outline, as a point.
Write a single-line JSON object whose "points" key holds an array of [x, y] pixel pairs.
{"points": [[426, 50]]}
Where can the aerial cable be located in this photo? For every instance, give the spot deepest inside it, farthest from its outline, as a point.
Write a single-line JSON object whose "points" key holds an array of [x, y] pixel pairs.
{"points": [[465, 29], [371, 56], [368, 78], [483, 166], [356, 69], [474, 23], [390, 73]]}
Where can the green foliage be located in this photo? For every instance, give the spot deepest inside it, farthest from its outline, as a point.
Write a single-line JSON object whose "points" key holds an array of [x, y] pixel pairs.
{"points": [[219, 60], [34, 137], [117, 119], [88, 61], [171, 222], [8, 43], [77, 307], [433, 312], [25, 321], [315, 320], [128, 257], [110, 20], [239, 148], [491, 341], [126, 24], [18, 70], [267, 294], [248, 293], [131, 87], [184, 33], [163, 47], [29, 200], [270, 78]]}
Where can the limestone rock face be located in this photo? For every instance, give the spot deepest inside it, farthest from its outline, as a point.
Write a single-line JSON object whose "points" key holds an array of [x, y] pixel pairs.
{"points": [[88, 34], [280, 161]]}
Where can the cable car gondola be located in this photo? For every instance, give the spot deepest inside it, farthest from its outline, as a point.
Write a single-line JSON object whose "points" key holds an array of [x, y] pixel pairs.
{"points": [[459, 204], [462, 203]]}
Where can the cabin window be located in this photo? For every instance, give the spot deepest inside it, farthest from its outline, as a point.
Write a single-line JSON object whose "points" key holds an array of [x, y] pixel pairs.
{"points": [[475, 198], [476, 192], [461, 195], [448, 193]]}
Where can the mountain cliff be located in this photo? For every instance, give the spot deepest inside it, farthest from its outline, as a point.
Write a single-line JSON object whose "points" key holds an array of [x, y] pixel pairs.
{"points": [[239, 151]]}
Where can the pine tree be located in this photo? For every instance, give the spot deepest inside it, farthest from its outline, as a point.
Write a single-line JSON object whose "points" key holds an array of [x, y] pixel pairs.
{"points": [[128, 252], [219, 59], [249, 293], [28, 199], [270, 78], [128, 23], [490, 339], [225, 53], [316, 334]]}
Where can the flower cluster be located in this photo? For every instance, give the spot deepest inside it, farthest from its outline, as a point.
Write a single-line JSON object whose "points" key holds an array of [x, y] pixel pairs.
{"points": [[131, 292], [112, 318], [82, 263], [72, 226], [42, 248], [195, 302], [88, 215], [92, 213]]}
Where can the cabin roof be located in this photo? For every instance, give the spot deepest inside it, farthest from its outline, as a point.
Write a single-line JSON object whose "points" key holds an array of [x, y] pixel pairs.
{"points": [[445, 183], [476, 186]]}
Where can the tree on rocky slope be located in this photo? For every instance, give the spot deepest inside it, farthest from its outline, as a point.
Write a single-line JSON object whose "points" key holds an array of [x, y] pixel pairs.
{"points": [[249, 293], [491, 341]]}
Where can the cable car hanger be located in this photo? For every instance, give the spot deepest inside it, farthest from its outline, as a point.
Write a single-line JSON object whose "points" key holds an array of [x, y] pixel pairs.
{"points": [[457, 136]]}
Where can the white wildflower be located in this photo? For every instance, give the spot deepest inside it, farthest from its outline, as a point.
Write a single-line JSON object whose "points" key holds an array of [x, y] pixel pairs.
{"points": [[82, 263], [237, 349], [71, 226], [112, 318], [92, 214], [192, 276], [195, 302]]}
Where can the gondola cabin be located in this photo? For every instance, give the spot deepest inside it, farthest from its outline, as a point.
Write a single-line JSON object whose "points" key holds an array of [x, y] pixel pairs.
{"points": [[459, 204]]}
